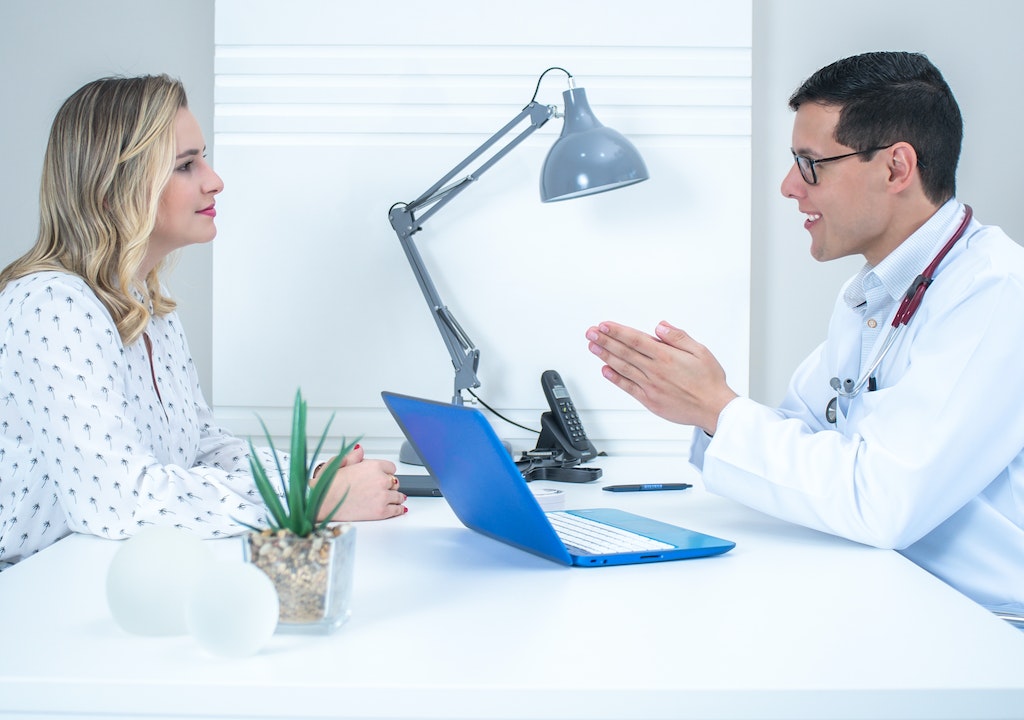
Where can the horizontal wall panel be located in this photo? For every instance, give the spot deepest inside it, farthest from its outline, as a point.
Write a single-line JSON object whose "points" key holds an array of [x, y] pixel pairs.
{"points": [[474, 92], [368, 119], [476, 61], [602, 23]]}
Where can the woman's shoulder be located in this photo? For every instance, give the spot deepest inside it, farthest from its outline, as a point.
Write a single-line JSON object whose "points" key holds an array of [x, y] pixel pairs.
{"points": [[53, 292], [49, 283]]}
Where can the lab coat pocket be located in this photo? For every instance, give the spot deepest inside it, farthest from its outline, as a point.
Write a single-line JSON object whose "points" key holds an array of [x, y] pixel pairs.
{"points": [[864, 405]]}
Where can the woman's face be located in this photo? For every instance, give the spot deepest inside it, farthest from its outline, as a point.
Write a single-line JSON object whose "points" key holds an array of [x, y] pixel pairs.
{"points": [[186, 212]]}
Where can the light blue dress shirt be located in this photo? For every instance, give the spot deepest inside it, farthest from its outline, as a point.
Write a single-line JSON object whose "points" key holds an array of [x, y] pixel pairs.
{"points": [[932, 462]]}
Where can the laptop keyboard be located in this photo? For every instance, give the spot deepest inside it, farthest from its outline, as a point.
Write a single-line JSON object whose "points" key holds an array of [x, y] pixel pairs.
{"points": [[584, 536]]}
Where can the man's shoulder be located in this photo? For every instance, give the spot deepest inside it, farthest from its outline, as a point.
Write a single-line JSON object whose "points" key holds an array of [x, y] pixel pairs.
{"points": [[992, 249], [988, 264]]}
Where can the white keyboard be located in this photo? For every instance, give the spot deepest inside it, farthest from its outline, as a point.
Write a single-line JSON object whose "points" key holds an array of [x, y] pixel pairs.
{"points": [[584, 536]]}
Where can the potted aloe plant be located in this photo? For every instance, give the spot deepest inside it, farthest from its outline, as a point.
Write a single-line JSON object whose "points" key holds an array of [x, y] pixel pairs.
{"points": [[308, 560]]}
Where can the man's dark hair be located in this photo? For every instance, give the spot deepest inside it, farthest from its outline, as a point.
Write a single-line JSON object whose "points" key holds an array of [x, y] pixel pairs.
{"points": [[889, 97]]}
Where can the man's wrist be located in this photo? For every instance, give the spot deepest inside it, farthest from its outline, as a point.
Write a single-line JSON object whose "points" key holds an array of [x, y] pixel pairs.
{"points": [[710, 431]]}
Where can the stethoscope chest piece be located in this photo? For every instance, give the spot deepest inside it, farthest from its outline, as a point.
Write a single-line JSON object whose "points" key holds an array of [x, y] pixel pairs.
{"points": [[830, 411]]}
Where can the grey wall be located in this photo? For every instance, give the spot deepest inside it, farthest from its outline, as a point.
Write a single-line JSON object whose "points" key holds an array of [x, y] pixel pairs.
{"points": [[51, 47], [977, 47]]}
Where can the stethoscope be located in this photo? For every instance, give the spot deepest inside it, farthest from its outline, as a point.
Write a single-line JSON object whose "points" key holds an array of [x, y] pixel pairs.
{"points": [[911, 301]]}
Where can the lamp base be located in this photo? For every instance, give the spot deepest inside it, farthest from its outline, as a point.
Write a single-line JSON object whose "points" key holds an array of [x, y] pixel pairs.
{"points": [[408, 455]]}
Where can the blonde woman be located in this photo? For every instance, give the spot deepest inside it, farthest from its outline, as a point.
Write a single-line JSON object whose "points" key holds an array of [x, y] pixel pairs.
{"points": [[103, 425]]}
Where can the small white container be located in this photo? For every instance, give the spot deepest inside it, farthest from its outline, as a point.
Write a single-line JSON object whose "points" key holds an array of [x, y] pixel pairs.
{"points": [[549, 498]]}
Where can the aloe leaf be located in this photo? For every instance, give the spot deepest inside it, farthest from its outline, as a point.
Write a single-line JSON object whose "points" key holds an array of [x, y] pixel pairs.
{"points": [[266, 489], [319, 447], [319, 492], [244, 524], [327, 518], [273, 451], [297, 477]]}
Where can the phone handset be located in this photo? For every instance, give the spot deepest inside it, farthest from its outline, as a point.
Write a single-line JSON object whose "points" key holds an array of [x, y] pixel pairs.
{"points": [[561, 429]]}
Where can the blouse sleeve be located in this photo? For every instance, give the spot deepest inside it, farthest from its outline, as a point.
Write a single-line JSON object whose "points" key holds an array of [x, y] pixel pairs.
{"points": [[126, 441]]}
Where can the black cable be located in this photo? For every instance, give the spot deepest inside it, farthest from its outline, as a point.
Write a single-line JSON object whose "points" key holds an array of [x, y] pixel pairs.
{"points": [[510, 422], [537, 89]]}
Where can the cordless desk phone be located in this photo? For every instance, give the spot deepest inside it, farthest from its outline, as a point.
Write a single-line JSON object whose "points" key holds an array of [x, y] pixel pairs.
{"points": [[561, 429], [564, 411]]}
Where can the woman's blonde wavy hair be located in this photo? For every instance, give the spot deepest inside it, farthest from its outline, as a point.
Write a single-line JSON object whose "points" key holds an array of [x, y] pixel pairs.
{"points": [[111, 152]]}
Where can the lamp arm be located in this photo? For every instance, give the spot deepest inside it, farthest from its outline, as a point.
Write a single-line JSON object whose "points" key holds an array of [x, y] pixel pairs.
{"points": [[438, 195], [464, 354]]}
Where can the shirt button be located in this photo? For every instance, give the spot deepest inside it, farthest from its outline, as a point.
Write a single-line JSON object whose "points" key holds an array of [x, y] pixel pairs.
{"points": [[872, 323]]}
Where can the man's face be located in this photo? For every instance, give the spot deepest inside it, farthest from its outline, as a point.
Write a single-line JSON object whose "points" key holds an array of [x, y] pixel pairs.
{"points": [[844, 213]]}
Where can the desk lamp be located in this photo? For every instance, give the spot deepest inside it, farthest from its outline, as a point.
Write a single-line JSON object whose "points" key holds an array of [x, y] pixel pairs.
{"points": [[587, 158]]}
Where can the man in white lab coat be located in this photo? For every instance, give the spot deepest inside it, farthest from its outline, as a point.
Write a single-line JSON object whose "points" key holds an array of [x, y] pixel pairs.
{"points": [[909, 438]]}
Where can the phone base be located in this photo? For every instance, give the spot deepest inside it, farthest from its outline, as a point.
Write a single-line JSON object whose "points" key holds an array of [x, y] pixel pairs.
{"points": [[563, 474], [552, 439]]}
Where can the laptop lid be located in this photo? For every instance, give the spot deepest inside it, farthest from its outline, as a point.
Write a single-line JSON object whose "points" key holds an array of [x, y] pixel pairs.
{"points": [[488, 494]]}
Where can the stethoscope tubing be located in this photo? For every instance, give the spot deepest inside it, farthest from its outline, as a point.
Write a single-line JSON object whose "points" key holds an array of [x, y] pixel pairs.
{"points": [[844, 389], [911, 302]]}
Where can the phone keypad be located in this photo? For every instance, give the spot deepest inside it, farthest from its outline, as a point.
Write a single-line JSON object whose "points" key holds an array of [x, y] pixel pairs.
{"points": [[572, 421]]}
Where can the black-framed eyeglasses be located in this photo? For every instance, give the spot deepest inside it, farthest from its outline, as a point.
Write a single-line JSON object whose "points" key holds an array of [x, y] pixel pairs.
{"points": [[807, 164]]}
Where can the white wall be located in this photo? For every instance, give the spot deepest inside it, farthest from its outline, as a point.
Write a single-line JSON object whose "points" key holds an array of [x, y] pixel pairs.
{"points": [[326, 117], [50, 47]]}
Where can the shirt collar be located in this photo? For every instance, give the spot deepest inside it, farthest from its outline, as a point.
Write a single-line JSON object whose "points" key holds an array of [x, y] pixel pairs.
{"points": [[900, 267]]}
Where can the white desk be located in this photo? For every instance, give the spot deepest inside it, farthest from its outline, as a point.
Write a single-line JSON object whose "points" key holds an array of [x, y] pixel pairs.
{"points": [[449, 624]]}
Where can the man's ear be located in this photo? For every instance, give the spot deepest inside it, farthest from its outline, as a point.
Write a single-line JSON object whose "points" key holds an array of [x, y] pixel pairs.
{"points": [[902, 159]]}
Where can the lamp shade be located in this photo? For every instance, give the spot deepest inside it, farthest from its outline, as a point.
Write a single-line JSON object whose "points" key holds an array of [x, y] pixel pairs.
{"points": [[588, 157]]}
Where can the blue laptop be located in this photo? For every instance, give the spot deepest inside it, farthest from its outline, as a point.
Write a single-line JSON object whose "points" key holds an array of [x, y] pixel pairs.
{"points": [[488, 494]]}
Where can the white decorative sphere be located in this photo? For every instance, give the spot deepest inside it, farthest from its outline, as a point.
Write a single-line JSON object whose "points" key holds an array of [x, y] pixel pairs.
{"points": [[151, 577], [233, 609]]}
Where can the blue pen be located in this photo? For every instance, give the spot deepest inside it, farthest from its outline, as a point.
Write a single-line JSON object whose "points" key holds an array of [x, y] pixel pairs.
{"points": [[647, 487]]}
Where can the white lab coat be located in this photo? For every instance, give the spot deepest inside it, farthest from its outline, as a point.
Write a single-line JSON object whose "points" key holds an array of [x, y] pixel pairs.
{"points": [[932, 462]]}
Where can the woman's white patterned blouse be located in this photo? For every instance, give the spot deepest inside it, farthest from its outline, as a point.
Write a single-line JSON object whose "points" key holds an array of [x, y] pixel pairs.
{"points": [[96, 439]]}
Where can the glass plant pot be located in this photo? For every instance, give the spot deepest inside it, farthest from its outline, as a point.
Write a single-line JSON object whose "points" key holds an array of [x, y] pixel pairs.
{"points": [[313, 575]]}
